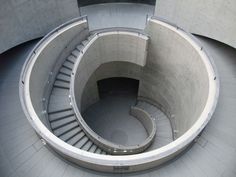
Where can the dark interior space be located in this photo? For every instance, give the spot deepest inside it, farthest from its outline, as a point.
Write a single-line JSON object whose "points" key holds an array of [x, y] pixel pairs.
{"points": [[82, 3], [117, 86]]}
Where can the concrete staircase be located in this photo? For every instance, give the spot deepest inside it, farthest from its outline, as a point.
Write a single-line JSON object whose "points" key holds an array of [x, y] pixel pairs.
{"points": [[62, 118]]}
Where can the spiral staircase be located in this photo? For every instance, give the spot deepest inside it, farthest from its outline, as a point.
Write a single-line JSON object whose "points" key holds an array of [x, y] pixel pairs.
{"points": [[27, 153]]}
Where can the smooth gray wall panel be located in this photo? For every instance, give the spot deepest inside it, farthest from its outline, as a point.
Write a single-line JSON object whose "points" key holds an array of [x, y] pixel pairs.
{"points": [[24, 20], [214, 19]]}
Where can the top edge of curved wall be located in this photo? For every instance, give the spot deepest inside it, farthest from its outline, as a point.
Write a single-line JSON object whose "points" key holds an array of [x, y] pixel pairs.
{"points": [[206, 18]]}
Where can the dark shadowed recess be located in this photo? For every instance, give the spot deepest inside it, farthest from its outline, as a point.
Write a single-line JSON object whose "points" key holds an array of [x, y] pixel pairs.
{"points": [[117, 86], [82, 3]]}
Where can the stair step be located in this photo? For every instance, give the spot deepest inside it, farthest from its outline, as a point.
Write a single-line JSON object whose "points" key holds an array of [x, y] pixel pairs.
{"points": [[67, 136], [65, 71], [59, 110], [81, 142], [93, 148], [98, 151], [59, 92], [60, 131], [68, 65], [62, 85], [76, 138], [59, 106], [63, 77], [90, 37], [76, 52], [85, 42], [87, 146], [103, 152], [80, 47], [60, 115], [63, 99], [62, 122], [71, 58]]}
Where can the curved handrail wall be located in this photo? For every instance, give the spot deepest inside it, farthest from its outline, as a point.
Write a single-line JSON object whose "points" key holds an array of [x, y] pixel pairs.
{"points": [[126, 163], [147, 121], [43, 61], [107, 46]]}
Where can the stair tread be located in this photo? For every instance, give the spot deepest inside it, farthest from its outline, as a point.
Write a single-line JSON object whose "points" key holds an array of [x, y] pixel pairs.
{"points": [[80, 47], [61, 84], [76, 138], [59, 115], [54, 107], [103, 152], [59, 98], [62, 122], [59, 92], [81, 142], [87, 146], [63, 77], [93, 148], [85, 42], [76, 52], [65, 129], [65, 70], [67, 136], [71, 58], [98, 151], [68, 64]]}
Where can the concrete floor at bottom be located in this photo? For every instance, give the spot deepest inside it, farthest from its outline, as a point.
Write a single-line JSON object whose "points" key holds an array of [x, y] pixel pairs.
{"points": [[110, 119]]}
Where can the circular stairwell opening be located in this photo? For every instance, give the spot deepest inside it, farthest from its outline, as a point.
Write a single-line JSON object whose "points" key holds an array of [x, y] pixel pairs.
{"points": [[176, 78]]}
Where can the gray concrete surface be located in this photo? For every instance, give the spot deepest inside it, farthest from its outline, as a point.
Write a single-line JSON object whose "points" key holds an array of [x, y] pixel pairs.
{"points": [[110, 118], [22, 154], [90, 93], [24, 20], [175, 76], [189, 111], [50, 54], [214, 19], [117, 15], [107, 46], [61, 117], [213, 154]]}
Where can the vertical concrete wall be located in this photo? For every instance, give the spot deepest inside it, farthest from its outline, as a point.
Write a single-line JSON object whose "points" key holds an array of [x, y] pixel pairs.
{"points": [[23, 20], [214, 19], [107, 70], [174, 77], [46, 60], [104, 48]]}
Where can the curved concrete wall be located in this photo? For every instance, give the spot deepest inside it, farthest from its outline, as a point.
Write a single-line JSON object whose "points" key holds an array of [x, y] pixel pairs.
{"points": [[148, 159], [23, 20], [107, 47], [51, 52], [175, 77], [107, 70], [216, 20]]}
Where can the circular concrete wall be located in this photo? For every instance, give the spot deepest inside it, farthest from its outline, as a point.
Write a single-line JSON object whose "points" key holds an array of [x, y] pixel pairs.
{"points": [[177, 76]]}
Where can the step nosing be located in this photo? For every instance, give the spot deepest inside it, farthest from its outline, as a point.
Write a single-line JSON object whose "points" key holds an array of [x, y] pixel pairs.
{"points": [[64, 124]]}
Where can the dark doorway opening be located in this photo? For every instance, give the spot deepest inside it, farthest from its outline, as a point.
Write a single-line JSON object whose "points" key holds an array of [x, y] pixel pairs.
{"points": [[82, 3], [117, 86]]}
